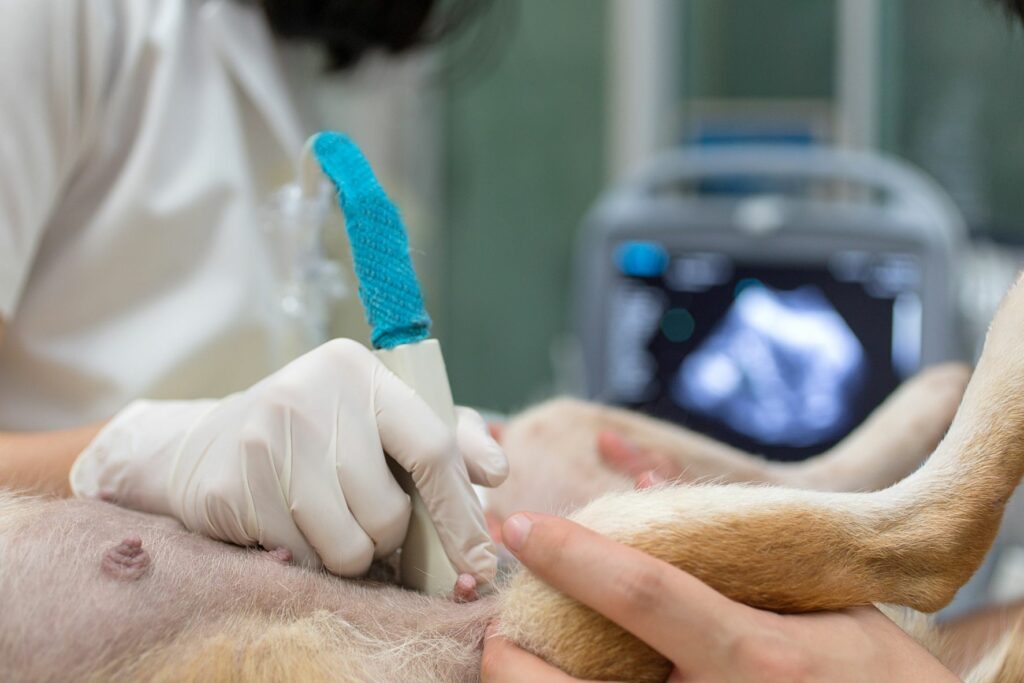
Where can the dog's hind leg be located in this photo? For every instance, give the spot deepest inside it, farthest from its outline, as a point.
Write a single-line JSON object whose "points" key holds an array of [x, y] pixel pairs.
{"points": [[913, 544], [892, 442]]}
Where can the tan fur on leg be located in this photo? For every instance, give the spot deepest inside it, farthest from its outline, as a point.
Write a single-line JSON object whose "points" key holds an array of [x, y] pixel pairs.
{"points": [[788, 551]]}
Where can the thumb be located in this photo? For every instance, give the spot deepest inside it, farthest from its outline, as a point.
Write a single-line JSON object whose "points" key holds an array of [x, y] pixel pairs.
{"points": [[484, 458]]}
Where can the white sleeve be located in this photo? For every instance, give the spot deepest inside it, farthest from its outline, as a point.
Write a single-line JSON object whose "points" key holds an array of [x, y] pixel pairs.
{"points": [[55, 66]]}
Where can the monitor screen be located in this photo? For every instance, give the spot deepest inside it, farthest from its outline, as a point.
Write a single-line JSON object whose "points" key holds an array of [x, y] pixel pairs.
{"points": [[777, 358]]}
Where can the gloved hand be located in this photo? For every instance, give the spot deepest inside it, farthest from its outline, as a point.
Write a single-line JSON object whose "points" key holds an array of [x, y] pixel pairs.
{"points": [[297, 462]]}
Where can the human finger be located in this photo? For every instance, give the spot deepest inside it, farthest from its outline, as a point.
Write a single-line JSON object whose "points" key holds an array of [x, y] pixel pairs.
{"points": [[277, 527], [321, 512], [670, 610], [333, 460], [424, 446], [504, 662], [485, 460], [376, 501]]}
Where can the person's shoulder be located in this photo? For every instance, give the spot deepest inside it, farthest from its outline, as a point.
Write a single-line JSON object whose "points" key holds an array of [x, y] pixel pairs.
{"points": [[60, 27], [95, 20]]}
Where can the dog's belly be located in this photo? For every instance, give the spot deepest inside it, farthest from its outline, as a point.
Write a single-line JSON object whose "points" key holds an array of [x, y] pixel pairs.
{"points": [[81, 583]]}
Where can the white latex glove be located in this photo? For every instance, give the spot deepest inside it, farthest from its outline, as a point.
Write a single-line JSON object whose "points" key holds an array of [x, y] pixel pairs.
{"points": [[297, 462]]}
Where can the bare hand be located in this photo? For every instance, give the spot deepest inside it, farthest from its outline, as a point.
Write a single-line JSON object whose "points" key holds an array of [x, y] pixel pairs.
{"points": [[706, 636]]}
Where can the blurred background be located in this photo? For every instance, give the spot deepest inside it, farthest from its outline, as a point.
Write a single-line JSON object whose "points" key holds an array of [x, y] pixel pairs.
{"points": [[498, 145]]}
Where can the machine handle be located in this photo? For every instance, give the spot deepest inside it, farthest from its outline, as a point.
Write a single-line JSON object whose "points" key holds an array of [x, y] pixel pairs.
{"points": [[905, 189]]}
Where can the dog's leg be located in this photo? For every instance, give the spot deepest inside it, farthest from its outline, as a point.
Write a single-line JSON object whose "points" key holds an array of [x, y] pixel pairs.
{"points": [[561, 438], [913, 544], [893, 441], [888, 446], [693, 456]]}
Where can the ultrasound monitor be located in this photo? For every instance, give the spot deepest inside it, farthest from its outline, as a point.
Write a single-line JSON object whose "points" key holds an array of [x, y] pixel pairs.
{"points": [[777, 335], [782, 359]]}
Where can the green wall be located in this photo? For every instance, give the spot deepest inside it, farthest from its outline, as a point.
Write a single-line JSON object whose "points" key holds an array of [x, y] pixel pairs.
{"points": [[957, 68], [759, 48], [524, 145], [525, 158]]}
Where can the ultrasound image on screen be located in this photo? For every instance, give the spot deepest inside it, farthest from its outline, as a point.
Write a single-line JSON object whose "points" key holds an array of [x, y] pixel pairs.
{"points": [[781, 359], [780, 367]]}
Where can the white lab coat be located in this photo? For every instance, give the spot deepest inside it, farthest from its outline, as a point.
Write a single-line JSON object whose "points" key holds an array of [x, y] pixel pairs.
{"points": [[138, 139]]}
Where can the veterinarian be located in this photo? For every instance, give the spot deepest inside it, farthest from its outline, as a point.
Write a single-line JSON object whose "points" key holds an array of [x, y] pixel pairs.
{"points": [[137, 139]]}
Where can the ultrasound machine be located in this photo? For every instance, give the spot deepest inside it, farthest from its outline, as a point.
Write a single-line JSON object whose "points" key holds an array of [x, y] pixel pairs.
{"points": [[768, 297]]}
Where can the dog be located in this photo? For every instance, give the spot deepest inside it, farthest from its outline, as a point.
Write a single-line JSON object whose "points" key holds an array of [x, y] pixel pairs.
{"points": [[91, 591]]}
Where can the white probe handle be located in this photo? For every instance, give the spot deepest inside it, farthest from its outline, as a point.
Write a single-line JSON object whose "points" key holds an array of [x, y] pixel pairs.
{"points": [[425, 566]]}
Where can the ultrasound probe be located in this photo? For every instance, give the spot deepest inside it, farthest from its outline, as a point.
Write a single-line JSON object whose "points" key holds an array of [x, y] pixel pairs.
{"points": [[394, 307]]}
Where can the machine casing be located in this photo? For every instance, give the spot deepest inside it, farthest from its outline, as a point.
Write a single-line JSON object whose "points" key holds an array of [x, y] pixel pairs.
{"points": [[772, 206]]}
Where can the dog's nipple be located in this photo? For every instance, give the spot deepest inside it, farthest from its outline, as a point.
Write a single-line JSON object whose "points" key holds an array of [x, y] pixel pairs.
{"points": [[126, 561]]}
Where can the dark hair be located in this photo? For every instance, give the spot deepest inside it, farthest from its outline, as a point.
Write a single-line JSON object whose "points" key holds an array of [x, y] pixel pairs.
{"points": [[1013, 7], [348, 29]]}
